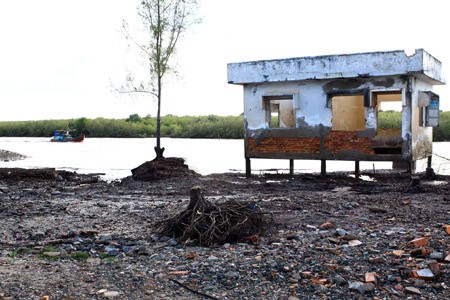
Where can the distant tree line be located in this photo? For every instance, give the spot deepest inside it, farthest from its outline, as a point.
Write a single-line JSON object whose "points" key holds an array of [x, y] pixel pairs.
{"points": [[212, 126], [208, 127]]}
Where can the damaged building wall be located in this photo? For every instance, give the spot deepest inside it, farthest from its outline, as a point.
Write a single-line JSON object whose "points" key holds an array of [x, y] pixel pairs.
{"points": [[316, 135], [421, 136], [372, 64], [336, 102]]}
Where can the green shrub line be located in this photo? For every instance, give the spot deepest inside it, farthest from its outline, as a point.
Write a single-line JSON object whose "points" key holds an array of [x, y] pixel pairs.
{"points": [[206, 127]]}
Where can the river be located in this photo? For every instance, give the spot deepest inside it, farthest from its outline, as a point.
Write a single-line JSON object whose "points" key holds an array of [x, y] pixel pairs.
{"points": [[115, 157]]}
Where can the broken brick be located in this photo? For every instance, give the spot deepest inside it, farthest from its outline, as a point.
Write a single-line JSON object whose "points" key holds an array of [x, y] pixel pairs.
{"points": [[319, 281], [371, 277], [419, 242], [424, 251], [447, 228], [327, 225], [184, 272], [406, 201], [435, 267], [398, 253], [191, 255]]}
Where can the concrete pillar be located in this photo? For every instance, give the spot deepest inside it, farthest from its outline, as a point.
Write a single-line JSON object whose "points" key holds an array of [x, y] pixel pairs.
{"points": [[357, 171], [248, 168], [291, 168], [411, 167], [323, 168]]}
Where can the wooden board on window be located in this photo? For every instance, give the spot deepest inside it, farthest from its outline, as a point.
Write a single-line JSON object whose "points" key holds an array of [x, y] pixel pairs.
{"points": [[348, 113]]}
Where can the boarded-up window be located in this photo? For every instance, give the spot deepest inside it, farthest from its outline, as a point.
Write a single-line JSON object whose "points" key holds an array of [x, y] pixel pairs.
{"points": [[348, 112]]}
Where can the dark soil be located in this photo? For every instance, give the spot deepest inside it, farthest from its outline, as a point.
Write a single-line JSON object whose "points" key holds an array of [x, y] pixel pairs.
{"points": [[78, 237], [162, 168]]}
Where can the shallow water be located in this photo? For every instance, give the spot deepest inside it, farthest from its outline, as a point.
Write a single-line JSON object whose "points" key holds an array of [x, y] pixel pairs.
{"points": [[115, 157]]}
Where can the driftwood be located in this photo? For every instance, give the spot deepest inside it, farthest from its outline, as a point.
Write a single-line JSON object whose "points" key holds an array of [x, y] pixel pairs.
{"points": [[19, 173], [205, 223]]}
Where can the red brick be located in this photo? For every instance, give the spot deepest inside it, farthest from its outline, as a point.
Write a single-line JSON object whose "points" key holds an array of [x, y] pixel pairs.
{"points": [[371, 277], [335, 142], [419, 242], [435, 267], [447, 228]]}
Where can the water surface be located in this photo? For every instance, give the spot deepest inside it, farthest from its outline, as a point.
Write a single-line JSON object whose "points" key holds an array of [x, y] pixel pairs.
{"points": [[115, 157]]}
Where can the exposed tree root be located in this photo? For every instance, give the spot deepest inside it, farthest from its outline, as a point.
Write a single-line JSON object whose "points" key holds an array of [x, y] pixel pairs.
{"points": [[205, 223]]}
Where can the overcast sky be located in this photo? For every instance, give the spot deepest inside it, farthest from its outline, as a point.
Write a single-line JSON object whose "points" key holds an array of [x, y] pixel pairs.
{"points": [[62, 59]]}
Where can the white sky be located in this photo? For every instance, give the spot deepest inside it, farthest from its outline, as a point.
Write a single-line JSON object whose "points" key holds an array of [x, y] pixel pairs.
{"points": [[58, 58]]}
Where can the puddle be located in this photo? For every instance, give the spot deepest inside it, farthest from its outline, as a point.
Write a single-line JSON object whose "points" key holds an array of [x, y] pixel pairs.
{"points": [[276, 181], [434, 183], [341, 189], [363, 177]]}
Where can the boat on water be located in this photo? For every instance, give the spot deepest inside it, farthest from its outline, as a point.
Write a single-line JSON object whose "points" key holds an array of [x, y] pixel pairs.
{"points": [[67, 136]]}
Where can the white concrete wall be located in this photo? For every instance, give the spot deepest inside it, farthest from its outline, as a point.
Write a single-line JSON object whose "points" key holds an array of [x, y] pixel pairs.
{"points": [[310, 102], [373, 64], [422, 137]]}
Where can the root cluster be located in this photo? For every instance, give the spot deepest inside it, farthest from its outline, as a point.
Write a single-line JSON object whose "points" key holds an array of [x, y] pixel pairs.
{"points": [[205, 223]]}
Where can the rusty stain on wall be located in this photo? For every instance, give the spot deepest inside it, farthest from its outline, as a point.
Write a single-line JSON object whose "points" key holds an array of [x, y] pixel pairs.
{"points": [[328, 107]]}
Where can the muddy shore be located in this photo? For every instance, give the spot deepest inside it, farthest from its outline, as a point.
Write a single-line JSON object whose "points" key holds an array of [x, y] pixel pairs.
{"points": [[78, 237]]}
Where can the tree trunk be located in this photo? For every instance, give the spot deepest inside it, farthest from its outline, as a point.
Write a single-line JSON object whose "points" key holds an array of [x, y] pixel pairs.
{"points": [[158, 150]]}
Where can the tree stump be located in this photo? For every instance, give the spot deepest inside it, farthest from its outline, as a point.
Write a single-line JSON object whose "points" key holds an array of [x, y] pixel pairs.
{"points": [[415, 185], [197, 200], [429, 174], [205, 223]]}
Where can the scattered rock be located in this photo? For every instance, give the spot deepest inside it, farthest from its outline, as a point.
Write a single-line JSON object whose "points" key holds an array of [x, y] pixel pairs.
{"points": [[412, 290], [111, 294], [319, 243]]}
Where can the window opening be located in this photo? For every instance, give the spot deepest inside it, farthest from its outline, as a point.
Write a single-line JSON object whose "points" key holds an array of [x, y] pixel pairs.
{"points": [[388, 139], [279, 111]]}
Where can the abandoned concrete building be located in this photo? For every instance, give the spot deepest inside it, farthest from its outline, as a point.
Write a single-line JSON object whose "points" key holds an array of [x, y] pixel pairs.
{"points": [[328, 107]]}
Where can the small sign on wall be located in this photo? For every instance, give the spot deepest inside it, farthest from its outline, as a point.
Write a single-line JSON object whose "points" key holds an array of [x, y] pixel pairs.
{"points": [[430, 108], [433, 113]]}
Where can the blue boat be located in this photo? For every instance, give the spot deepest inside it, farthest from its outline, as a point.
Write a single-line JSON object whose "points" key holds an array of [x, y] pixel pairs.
{"points": [[67, 136]]}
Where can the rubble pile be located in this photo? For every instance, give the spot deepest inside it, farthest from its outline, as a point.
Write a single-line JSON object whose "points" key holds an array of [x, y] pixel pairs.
{"points": [[334, 238]]}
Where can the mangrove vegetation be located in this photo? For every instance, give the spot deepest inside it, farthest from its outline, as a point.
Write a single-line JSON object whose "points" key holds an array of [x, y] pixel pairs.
{"points": [[208, 127]]}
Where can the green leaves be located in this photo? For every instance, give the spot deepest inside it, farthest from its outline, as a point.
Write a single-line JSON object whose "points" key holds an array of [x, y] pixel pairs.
{"points": [[212, 126]]}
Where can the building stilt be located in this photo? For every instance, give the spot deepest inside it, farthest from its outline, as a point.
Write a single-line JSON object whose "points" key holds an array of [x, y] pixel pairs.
{"points": [[248, 168], [323, 168]]}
